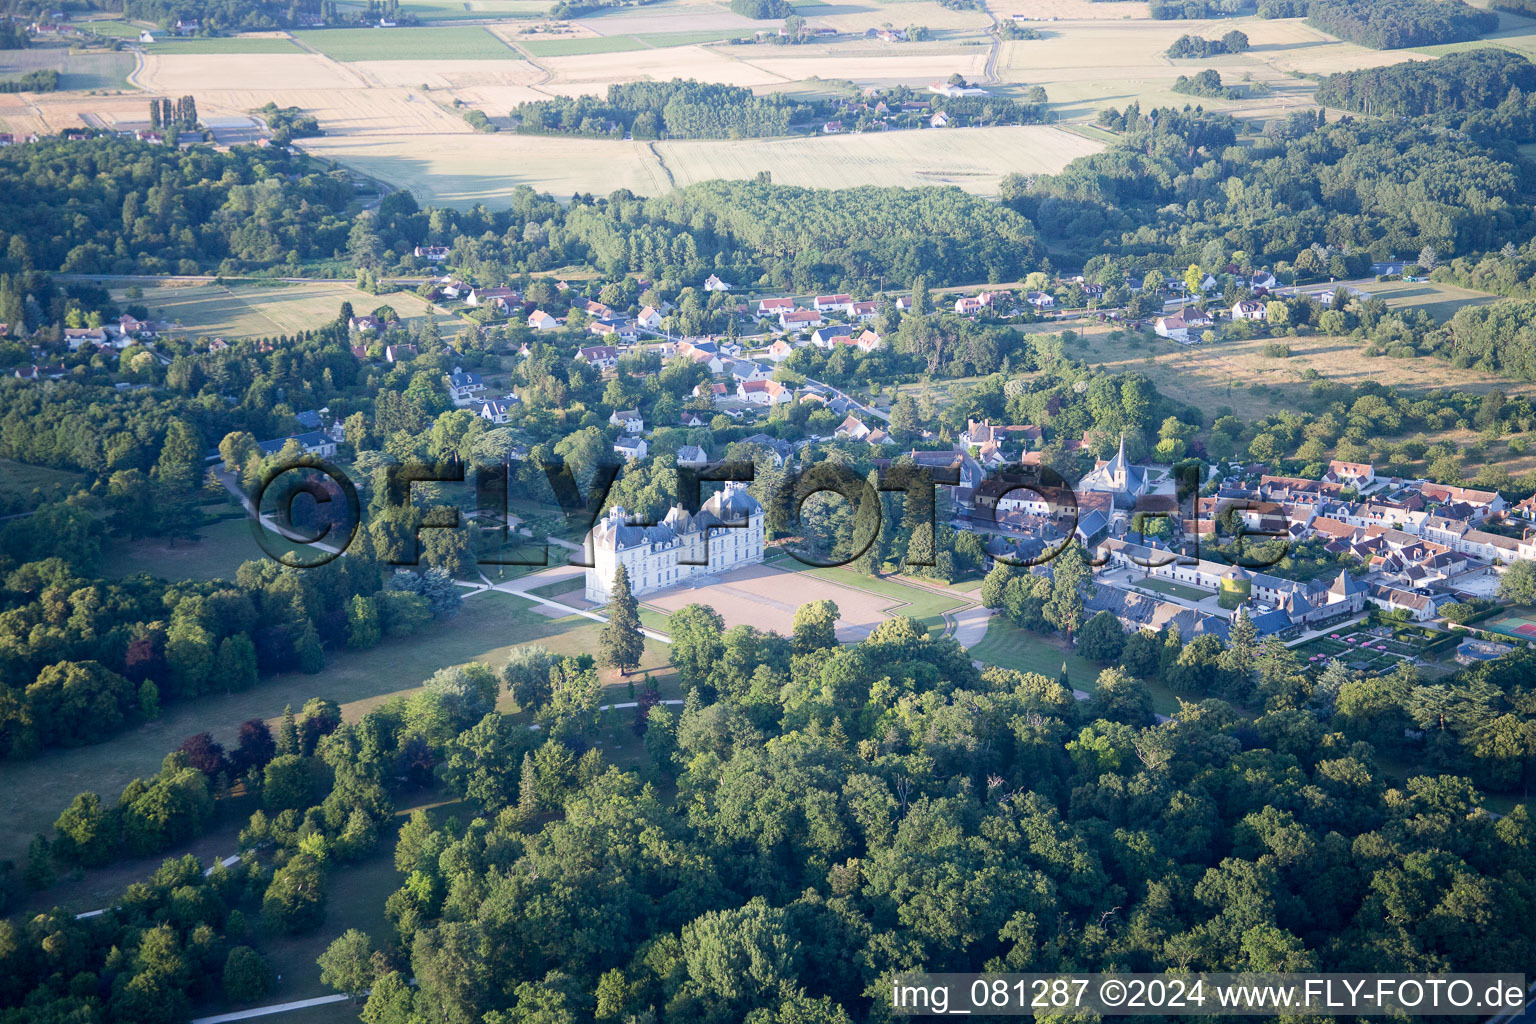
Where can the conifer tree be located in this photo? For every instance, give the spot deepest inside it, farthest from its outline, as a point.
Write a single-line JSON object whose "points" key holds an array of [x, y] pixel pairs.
{"points": [[622, 643]]}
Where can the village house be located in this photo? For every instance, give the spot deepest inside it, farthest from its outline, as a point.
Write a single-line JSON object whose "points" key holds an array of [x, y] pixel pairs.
{"points": [[692, 455], [432, 253], [463, 388], [313, 442], [833, 303], [539, 320], [628, 420], [852, 428], [1250, 309], [1177, 327], [649, 318], [764, 392], [713, 390], [799, 319], [774, 307], [714, 284], [397, 353], [604, 357], [76, 337], [1356, 475], [780, 350], [630, 448], [864, 311], [1041, 300], [498, 410]]}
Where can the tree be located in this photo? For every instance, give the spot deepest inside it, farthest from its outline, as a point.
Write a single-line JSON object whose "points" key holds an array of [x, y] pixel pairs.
{"points": [[621, 642], [363, 628], [288, 732], [697, 644], [1102, 638], [295, 899], [1064, 607], [345, 965], [815, 626], [247, 976], [1518, 584], [526, 675], [905, 424]]}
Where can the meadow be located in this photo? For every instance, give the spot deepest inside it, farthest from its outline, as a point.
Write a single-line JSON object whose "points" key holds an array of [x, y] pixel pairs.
{"points": [[18, 480], [974, 159], [244, 310], [464, 42]]}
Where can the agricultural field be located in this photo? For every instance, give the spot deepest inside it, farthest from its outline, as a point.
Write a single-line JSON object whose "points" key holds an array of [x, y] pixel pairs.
{"points": [[252, 310], [580, 45], [474, 10], [974, 159], [464, 169], [671, 17], [467, 42], [115, 28], [593, 73], [85, 71], [225, 45], [1439, 300]]}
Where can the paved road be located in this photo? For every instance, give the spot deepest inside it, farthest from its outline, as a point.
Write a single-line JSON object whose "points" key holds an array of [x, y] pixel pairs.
{"points": [[264, 1011], [854, 402]]}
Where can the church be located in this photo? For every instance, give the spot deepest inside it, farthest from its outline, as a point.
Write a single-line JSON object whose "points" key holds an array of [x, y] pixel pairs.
{"points": [[726, 533], [1124, 482]]}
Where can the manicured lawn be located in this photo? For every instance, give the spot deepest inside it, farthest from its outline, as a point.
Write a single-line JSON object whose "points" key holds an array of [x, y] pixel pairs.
{"points": [[1009, 646], [927, 606], [1171, 588], [215, 553], [588, 44], [114, 29], [457, 42], [225, 44]]}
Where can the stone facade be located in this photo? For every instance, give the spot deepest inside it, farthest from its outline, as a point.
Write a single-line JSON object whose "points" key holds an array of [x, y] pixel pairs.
{"points": [[726, 533]]}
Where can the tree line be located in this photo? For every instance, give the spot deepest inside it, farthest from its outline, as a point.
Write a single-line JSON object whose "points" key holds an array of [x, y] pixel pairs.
{"points": [[675, 109], [1395, 24], [1474, 80]]}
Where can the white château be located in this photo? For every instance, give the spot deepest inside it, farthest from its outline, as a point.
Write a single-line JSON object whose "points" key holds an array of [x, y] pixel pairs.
{"points": [[725, 534]]}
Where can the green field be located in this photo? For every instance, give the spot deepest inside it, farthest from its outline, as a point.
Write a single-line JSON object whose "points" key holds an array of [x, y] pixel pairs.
{"points": [[1170, 588], [1008, 646], [245, 310], [485, 629], [114, 29], [665, 39], [1440, 300], [466, 42], [225, 44], [588, 44], [215, 553], [84, 72], [18, 480]]}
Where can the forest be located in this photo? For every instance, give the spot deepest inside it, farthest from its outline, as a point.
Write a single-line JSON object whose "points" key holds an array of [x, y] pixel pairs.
{"points": [[1395, 24], [819, 817], [763, 10], [676, 109], [799, 234], [115, 206], [41, 80], [1175, 181], [214, 16], [1474, 80]]}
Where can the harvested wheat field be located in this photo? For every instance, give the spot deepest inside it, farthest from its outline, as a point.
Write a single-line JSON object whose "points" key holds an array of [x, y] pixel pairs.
{"points": [[19, 115], [767, 598], [918, 69], [1070, 10], [464, 169], [972, 158], [444, 74], [672, 18], [180, 74], [696, 62], [855, 18]]}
